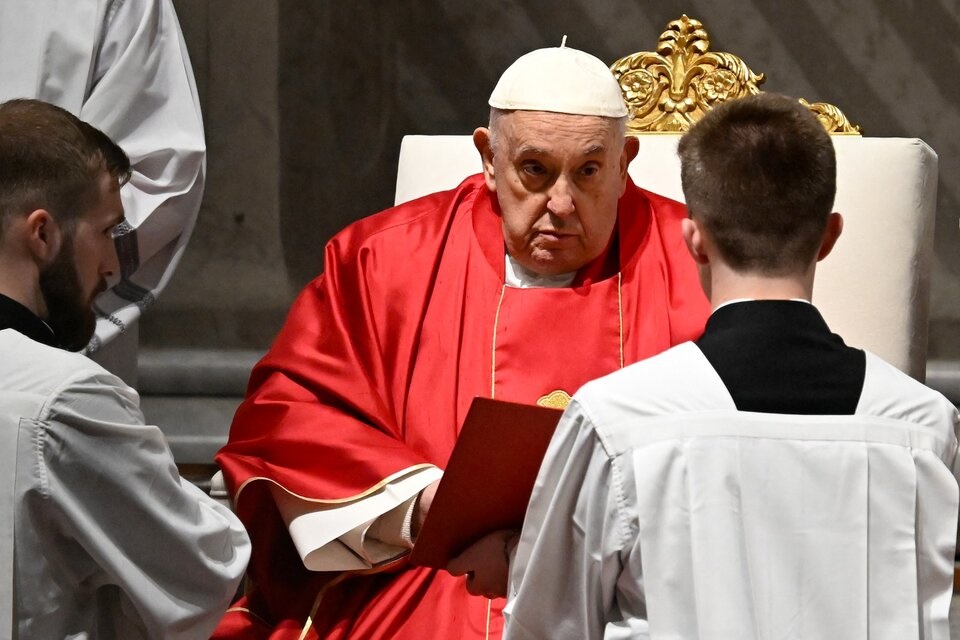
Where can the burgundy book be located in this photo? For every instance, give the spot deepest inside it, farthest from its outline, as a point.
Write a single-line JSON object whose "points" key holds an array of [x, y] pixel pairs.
{"points": [[488, 480]]}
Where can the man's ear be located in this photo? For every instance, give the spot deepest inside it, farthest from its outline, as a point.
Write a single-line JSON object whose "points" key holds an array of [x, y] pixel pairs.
{"points": [[481, 140], [830, 235], [43, 236], [631, 147], [693, 238]]}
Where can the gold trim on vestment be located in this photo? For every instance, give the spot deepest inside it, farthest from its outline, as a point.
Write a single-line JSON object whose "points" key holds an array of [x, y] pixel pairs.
{"points": [[486, 635], [493, 352], [306, 628], [558, 398], [620, 314], [362, 494], [340, 578], [250, 613]]}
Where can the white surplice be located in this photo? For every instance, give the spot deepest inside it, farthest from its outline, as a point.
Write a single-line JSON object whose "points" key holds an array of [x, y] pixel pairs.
{"points": [[108, 541], [661, 511]]}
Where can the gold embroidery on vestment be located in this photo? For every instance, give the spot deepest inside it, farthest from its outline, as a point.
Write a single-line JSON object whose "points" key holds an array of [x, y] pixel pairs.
{"points": [[558, 399]]}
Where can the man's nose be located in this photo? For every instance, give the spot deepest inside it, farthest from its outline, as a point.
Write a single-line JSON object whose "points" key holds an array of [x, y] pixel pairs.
{"points": [[560, 203]]}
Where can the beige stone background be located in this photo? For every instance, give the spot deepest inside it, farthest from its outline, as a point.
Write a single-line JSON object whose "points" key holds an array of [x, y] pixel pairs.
{"points": [[305, 103]]}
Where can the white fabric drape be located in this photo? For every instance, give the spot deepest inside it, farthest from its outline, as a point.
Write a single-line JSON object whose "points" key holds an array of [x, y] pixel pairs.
{"points": [[122, 66]]}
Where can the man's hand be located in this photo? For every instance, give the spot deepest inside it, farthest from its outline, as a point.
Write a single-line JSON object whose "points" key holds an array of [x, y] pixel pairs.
{"points": [[423, 506], [486, 563]]}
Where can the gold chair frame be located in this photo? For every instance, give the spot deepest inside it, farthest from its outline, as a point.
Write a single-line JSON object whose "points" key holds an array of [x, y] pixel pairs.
{"points": [[669, 89]]}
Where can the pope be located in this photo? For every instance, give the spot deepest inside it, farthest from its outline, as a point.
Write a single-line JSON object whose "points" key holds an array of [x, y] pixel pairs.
{"points": [[548, 269]]}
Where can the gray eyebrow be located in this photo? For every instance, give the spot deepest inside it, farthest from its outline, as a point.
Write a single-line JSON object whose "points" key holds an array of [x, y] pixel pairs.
{"points": [[524, 149]]}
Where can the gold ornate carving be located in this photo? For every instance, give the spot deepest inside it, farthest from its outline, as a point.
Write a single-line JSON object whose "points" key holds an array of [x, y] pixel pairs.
{"points": [[832, 119], [558, 399], [670, 89]]}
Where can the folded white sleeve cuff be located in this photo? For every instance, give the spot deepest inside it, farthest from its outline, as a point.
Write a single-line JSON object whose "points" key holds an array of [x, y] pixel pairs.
{"points": [[335, 537]]}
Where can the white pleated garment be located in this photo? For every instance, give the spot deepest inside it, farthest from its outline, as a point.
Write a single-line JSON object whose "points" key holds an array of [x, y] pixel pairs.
{"points": [[662, 512]]}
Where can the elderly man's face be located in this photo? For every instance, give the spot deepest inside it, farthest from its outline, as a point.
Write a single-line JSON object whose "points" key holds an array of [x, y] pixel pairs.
{"points": [[558, 178]]}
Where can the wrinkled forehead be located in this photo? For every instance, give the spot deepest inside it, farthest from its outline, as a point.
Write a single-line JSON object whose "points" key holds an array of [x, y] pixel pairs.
{"points": [[546, 130]]}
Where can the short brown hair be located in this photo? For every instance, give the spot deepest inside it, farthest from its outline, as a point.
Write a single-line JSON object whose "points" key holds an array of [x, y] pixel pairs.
{"points": [[50, 159], [760, 173]]}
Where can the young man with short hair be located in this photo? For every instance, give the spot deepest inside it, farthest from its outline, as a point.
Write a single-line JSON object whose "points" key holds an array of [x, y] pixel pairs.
{"points": [[101, 538], [766, 480]]}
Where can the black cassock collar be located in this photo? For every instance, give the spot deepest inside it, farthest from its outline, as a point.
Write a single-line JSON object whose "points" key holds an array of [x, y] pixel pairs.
{"points": [[14, 315], [779, 356]]}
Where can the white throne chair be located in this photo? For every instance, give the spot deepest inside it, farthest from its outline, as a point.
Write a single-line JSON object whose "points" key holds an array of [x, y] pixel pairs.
{"points": [[873, 289]]}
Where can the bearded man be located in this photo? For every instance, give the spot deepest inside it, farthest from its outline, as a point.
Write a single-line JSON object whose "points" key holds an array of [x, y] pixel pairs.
{"points": [[100, 537], [121, 65], [548, 269]]}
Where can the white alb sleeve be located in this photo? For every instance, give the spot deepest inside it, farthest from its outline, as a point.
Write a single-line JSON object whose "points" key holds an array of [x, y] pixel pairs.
{"points": [[563, 578], [334, 536], [111, 486]]}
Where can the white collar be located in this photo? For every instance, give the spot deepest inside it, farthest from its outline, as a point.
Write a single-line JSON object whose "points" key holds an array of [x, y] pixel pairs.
{"points": [[519, 277]]}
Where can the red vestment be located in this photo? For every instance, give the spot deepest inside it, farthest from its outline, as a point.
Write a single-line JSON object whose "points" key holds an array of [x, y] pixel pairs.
{"points": [[378, 362]]}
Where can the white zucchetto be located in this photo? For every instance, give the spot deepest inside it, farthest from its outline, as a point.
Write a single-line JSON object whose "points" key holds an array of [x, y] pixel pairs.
{"points": [[560, 80]]}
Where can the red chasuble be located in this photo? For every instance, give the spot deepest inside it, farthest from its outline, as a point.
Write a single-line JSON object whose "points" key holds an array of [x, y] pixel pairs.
{"points": [[375, 369]]}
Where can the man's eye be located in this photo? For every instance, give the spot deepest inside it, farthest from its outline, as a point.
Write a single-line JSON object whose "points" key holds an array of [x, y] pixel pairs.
{"points": [[590, 170], [533, 169]]}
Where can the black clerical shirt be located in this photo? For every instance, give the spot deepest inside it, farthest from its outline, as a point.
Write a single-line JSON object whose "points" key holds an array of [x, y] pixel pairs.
{"points": [[14, 315], [779, 356]]}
